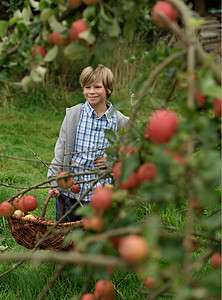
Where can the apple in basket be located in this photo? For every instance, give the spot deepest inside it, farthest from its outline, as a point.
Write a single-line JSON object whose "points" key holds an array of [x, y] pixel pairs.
{"points": [[29, 216], [19, 213], [28, 203]]}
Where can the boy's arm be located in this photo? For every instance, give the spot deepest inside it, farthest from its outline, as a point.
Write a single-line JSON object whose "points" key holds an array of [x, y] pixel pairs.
{"points": [[59, 152]]}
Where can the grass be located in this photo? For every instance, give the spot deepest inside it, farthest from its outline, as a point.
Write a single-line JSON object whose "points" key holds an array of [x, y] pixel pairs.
{"points": [[26, 121]]}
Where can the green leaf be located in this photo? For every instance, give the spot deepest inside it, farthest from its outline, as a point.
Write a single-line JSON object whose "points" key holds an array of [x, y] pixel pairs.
{"points": [[111, 136], [209, 87], [130, 164], [51, 54], [55, 25], [34, 4], [3, 27], [75, 51], [46, 14]]}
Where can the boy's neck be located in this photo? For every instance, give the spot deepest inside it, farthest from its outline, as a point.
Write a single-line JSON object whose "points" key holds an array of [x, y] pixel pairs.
{"points": [[100, 109]]}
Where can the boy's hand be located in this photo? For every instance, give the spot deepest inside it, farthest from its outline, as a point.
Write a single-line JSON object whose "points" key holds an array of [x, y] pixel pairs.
{"points": [[99, 162], [55, 192]]}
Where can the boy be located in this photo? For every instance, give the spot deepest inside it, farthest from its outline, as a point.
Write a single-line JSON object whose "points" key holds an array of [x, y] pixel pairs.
{"points": [[81, 132]]}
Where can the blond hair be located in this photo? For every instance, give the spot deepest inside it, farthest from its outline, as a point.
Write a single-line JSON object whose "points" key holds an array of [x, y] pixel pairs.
{"points": [[101, 73]]}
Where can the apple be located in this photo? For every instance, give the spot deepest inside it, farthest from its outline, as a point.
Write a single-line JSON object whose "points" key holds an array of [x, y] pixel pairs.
{"points": [[217, 107], [95, 223], [90, 2], [124, 149], [115, 240], [36, 49], [76, 188], [133, 248], [161, 126], [116, 170], [200, 98], [151, 283], [104, 288], [146, 172], [6, 209], [98, 297], [19, 213], [15, 202], [167, 9], [77, 27], [215, 260], [30, 203], [190, 243], [55, 38], [87, 296], [131, 183], [65, 182], [72, 3], [20, 203], [102, 199], [29, 216], [175, 155]]}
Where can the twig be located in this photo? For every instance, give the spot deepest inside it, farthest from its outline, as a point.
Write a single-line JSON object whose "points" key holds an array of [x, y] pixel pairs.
{"points": [[66, 258]]}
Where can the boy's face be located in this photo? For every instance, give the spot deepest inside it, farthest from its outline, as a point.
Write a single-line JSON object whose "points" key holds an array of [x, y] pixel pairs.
{"points": [[95, 93]]}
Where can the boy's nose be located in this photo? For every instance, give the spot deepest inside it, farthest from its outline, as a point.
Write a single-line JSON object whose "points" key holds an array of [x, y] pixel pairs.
{"points": [[92, 90]]}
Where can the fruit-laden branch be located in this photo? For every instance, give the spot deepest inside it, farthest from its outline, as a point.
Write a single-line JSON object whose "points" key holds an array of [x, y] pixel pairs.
{"points": [[142, 93]]}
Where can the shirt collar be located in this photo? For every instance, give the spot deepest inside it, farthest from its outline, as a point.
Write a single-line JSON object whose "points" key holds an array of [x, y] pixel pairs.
{"points": [[90, 111]]}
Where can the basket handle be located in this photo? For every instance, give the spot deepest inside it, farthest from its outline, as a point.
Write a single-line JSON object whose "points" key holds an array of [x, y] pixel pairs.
{"points": [[46, 203], [50, 195]]}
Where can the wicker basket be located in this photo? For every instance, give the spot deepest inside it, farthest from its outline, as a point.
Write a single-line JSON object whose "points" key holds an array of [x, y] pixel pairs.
{"points": [[27, 232]]}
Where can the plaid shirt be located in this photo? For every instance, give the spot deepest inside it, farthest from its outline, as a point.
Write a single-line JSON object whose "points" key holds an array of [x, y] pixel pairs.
{"points": [[90, 136]]}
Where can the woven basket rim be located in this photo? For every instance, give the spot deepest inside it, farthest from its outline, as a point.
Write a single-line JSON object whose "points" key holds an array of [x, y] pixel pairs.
{"points": [[38, 220]]}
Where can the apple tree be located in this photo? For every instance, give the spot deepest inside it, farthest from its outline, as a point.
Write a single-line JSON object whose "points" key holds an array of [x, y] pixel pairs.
{"points": [[170, 161]]}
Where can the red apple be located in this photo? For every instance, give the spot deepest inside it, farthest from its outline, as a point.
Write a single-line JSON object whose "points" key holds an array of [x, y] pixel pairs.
{"points": [[104, 288], [131, 183], [217, 106], [95, 223], [77, 27], [90, 2], [190, 243], [215, 260], [6, 209], [55, 38], [133, 248], [36, 49], [102, 199], [65, 182], [123, 150], [161, 126], [20, 203], [30, 203], [150, 282], [167, 9], [76, 188], [146, 172], [115, 240], [87, 297], [19, 213], [200, 98], [97, 297], [15, 202], [175, 155], [72, 3], [116, 170]]}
